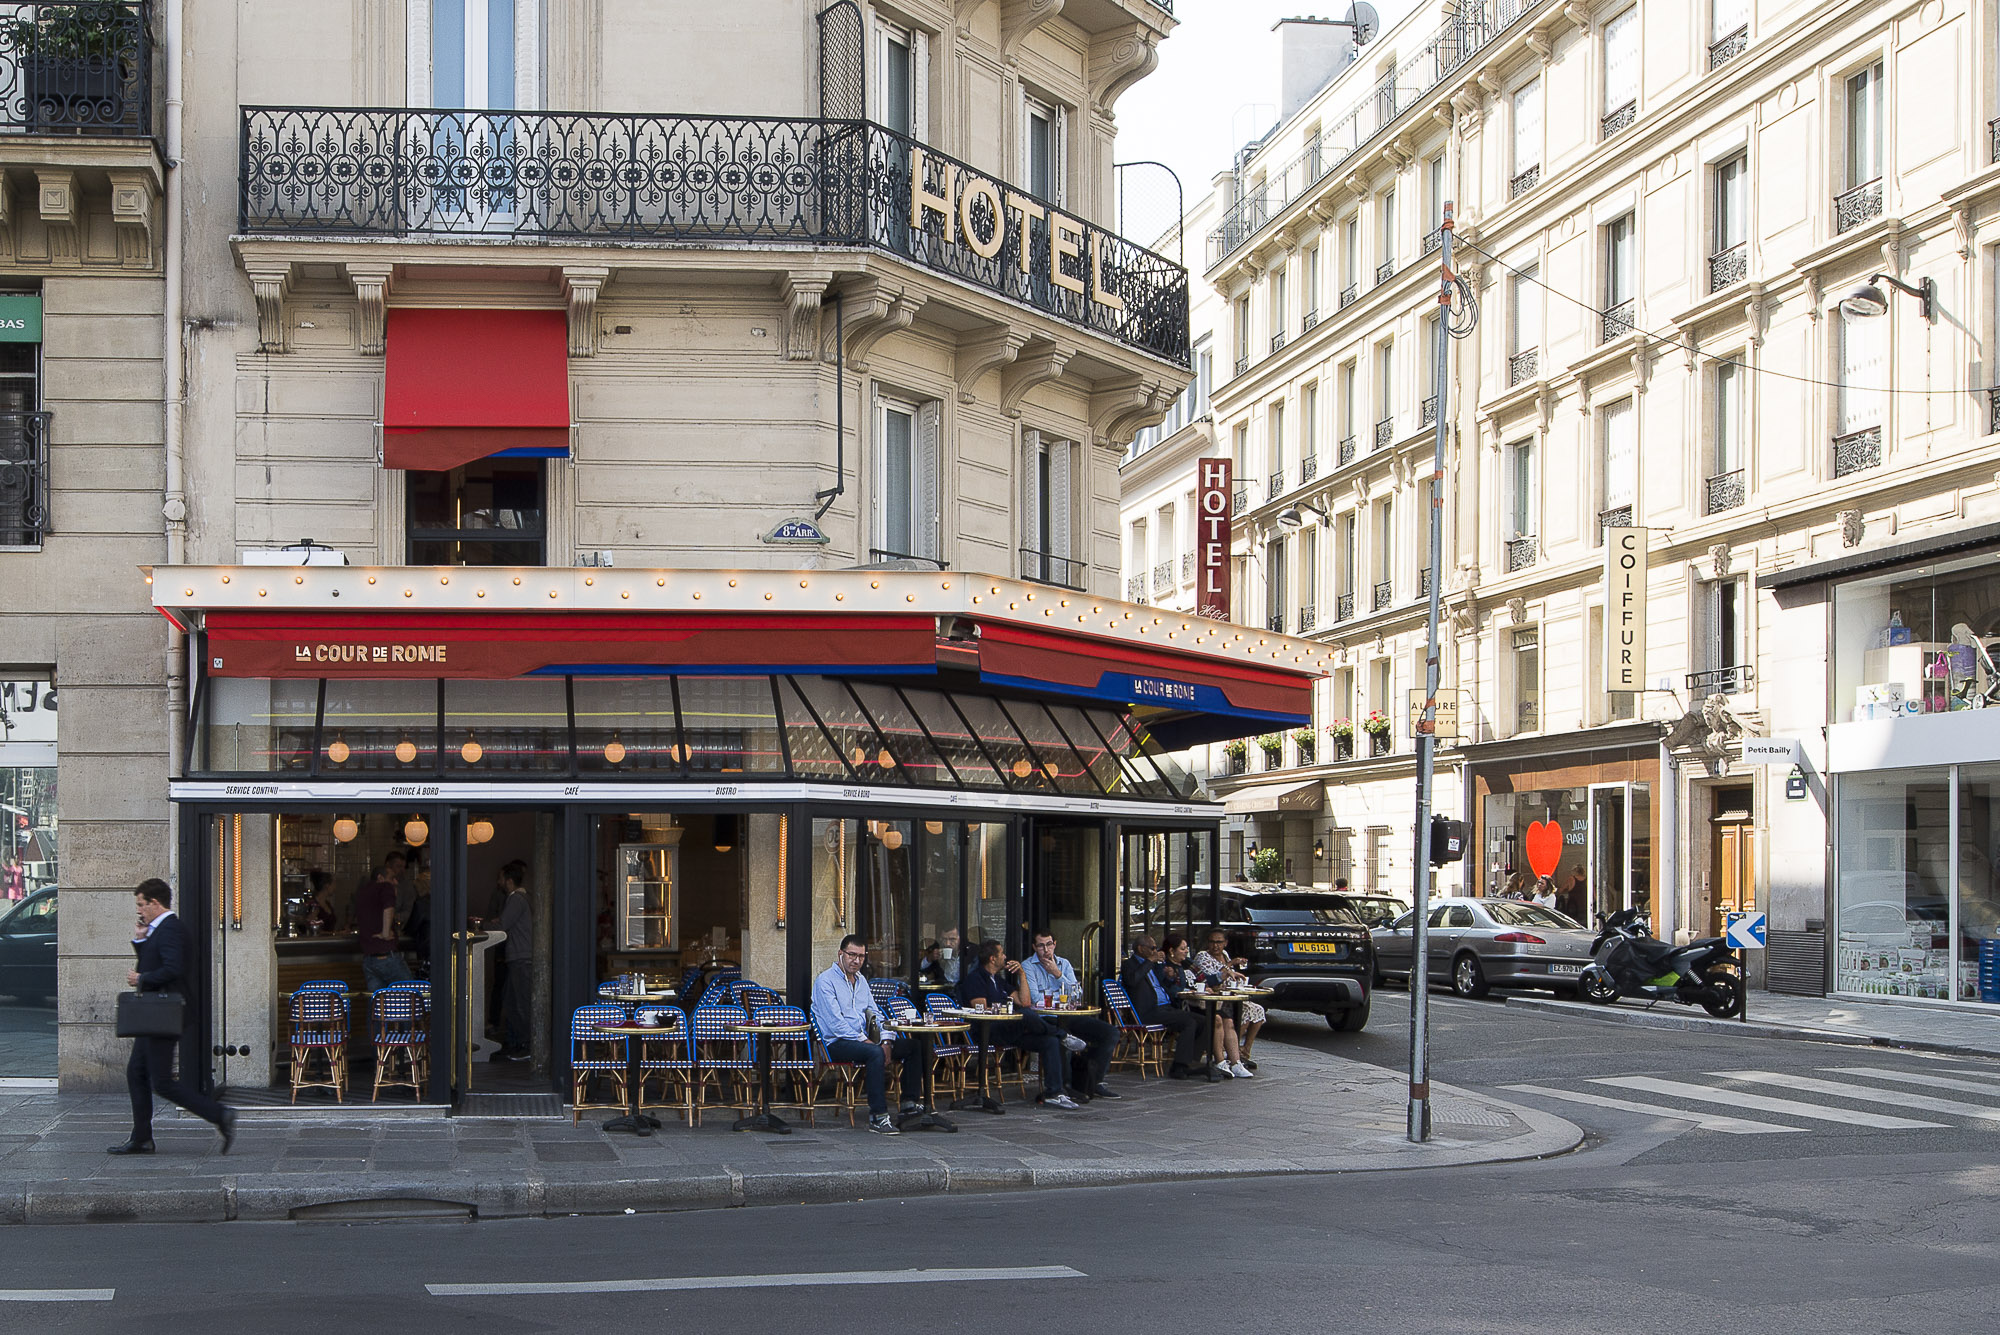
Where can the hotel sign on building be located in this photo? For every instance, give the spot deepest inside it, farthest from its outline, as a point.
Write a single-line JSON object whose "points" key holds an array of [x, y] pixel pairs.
{"points": [[1212, 504]]}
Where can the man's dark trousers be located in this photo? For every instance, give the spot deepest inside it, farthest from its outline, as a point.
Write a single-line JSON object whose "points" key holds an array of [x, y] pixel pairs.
{"points": [[151, 1071]]}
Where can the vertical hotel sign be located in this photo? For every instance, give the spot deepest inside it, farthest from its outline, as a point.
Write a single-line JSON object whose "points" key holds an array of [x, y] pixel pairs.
{"points": [[1625, 609], [1213, 499]]}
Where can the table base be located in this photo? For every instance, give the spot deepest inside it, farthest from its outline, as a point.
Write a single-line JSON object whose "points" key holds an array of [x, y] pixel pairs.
{"points": [[978, 1103], [639, 1124], [763, 1121], [925, 1121]]}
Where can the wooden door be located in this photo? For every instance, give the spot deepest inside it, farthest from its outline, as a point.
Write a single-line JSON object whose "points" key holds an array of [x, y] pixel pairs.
{"points": [[1733, 860]]}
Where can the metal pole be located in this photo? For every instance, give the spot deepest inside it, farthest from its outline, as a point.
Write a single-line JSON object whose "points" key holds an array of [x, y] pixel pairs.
{"points": [[1420, 992]]}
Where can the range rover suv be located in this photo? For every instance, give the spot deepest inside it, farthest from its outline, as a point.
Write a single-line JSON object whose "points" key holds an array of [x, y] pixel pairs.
{"points": [[1309, 947]]}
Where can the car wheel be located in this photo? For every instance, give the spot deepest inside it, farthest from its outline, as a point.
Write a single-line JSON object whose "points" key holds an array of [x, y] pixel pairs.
{"points": [[1350, 1021], [1467, 978]]}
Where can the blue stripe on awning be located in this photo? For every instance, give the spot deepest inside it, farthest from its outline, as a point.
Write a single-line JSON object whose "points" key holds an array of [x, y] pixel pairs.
{"points": [[532, 452]]}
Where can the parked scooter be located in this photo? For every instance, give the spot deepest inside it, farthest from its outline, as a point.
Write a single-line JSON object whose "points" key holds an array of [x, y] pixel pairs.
{"points": [[1627, 961]]}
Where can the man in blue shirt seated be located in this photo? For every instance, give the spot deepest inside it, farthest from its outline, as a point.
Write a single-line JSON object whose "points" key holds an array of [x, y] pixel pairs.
{"points": [[843, 1007], [1048, 975], [1145, 983], [992, 982]]}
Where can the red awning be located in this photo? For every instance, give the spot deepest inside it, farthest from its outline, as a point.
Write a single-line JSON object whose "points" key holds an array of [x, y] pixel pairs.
{"points": [[466, 384]]}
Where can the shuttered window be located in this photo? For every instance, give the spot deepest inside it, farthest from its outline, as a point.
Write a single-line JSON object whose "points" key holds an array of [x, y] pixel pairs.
{"points": [[1863, 367], [908, 477], [1621, 61], [1527, 126], [1621, 455]]}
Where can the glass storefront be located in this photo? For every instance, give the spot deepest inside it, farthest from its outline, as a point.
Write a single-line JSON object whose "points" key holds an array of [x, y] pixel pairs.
{"points": [[1920, 641], [30, 871], [1594, 839]]}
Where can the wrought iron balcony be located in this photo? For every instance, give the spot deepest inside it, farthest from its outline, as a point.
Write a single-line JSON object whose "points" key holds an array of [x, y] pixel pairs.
{"points": [[1424, 582], [1520, 553], [1617, 517], [1277, 340], [1857, 450], [24, 479], [1617, 321], [1349, 295], [1721, 681], [1308, 468], [1048, 568], [1241, 501], [1725, 49], [1163, 577], [1993, 409], [1275, 621], [81, 67], [1276, 483], [1343, 607], [1522, 366], [1347, 450], [1623, 118], [1525, 181], [1135, 588], [1243, 363], [1385, 431], [882, 555], [1427, 412], [1857, 206], [1385, 593], [1725, 491], [1312, 319], [1433, 240], [1385, 271], [1993, 139], [1728, 266], [698, 180], [1187, 566], [1308, 617]]}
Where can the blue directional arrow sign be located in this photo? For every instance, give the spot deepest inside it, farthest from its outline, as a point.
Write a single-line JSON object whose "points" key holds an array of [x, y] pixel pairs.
{"points": [[1744, 931]]}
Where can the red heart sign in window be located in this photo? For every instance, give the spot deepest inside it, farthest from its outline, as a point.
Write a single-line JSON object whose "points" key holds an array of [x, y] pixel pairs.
{"points": [[1545, 846]]}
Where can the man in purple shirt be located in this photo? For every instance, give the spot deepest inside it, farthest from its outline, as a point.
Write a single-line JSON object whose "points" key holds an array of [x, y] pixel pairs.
{"points": [[375, 923]]}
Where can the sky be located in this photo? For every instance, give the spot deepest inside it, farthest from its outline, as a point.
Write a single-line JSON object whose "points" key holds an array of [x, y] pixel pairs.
{"points": [[1216, 88]]}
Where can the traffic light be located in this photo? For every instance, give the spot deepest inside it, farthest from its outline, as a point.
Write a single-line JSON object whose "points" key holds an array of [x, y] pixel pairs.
{"points": [[1447, 840]]}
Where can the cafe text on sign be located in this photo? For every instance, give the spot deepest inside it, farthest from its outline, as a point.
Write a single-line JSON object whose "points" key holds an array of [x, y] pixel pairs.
{"points": [[1213, 500]]}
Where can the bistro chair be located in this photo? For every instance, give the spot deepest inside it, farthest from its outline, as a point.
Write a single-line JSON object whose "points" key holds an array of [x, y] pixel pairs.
{"points": [[595, 1054], [885, 988], [948, 1056], [722, 1055], [793, 1061], [400, 1038], [319, 1035], [754, 996], [669, 1054], [844, 1077], [690, 984], [1140, 1045]]}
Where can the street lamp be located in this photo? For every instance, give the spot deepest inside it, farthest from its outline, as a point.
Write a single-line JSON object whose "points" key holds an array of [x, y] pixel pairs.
{"points": [[1290, 516], [1867, 300]]}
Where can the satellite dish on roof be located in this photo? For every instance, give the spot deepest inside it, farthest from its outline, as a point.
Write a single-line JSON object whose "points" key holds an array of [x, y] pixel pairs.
{"points": [[1361, 18]]}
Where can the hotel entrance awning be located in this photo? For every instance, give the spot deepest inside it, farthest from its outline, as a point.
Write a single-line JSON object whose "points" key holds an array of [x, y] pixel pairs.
{"points": [[1284, 799]]}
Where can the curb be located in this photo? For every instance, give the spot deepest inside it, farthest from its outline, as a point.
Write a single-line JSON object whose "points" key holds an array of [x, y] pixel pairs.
{"points": [[1659, 1019]]}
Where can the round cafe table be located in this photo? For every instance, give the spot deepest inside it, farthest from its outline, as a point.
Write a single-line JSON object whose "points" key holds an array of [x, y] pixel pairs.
{"points": [[984, 1100], [634, 1121], [764, 1119], [926, 1034]]}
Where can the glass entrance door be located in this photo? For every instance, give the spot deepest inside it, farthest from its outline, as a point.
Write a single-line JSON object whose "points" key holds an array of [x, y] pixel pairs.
{"points": [[1610, 851], [1066, 897], [1165, 884], [515, 899]]}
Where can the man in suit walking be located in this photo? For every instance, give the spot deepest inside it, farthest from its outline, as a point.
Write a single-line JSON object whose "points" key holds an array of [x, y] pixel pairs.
{"points": [[162, 950]]}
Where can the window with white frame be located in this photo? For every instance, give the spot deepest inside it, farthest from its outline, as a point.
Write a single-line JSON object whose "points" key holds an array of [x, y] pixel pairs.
{"points": [[1863, 363], [1621, 253], [1518, 478], [1385, 542], [1274, 437], [1309, 282], [483, 55], [1346, 555], [1722, 638], [1525, 646], [1308, 574], [1385, 242], [1048, 510], [1527, 125], [1863, 157], [1274, 584], [1434, 196], [902, 79], [1621, 72], [1380, 675], [1727, 18], [1524, 325], [1242, 332], [1278, 312], [1385, 391], [1204, 376], [1732, 203], [1343, 694], [1309, 422], [1726, 443], [1349, 376], [1135, 562], [907, 476], [1350, 253], [1618, 466], [1430, 331], [1044, 147]]}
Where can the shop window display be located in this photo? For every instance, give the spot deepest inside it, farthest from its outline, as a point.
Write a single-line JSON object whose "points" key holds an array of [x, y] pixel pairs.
{"points": [[1917, 642]]}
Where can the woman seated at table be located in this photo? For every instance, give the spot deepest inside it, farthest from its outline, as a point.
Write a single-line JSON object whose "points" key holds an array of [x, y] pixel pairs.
{"points": [[1227, 1056], [992, 982], [1216, 963]]}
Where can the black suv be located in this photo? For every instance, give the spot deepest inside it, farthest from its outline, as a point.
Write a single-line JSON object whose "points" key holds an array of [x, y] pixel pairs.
{"points": [[1309, 947]]}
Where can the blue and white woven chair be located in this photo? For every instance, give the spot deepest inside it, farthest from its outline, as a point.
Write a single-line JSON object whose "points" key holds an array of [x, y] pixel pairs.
{"points": [[1140, 1045], [722, 1054], [669, 1055], [948, 1055], [319, 1036], [592, 1053], [885, 988], [794, 1063], [845, 1076], [400, 1041]]}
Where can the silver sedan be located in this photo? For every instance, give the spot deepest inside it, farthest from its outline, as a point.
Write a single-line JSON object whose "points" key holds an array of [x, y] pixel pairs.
{"points": [[1476, 944]]}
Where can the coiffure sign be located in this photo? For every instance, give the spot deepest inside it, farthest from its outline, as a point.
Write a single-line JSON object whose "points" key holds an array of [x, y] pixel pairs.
{"points": [[983, 216], [1213, 498], [1625, 609]]}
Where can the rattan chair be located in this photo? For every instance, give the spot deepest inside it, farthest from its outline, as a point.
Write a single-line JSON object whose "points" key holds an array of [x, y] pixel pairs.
{"points": [[722, 1056], [1140, 1045], [948, 1055], [794, 1063], [592, 1053], [401, 1040], [669, 1056], [844, 1078], [319, 1035]]}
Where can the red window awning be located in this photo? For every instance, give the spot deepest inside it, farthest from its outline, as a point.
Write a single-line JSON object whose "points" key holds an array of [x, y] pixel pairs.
{"points": [[467, 384]]}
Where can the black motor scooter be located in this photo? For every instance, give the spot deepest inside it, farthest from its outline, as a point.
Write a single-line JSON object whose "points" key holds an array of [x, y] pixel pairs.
{"points": [[1628, 962]]}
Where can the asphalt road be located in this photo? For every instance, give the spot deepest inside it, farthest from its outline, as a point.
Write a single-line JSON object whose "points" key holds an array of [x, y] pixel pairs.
{"points": [[1787, 1221]]}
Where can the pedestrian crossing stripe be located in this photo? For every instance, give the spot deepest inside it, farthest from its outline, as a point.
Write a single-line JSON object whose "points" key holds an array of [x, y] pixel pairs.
{"points": [[1912, 1078], [1895, 1098], [1735, 1098], [1735, 1126]]}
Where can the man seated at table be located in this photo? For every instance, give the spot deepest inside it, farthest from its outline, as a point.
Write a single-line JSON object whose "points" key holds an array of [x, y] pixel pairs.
{"points": [[994, 981], [1145, 983], [1049, 975], [940, 964], [845, 1011]]}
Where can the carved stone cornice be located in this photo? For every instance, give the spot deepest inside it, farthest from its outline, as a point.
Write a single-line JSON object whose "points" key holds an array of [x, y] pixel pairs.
{"points": [[1119, 408], [268, 284], [805, 293], [133, 194], [581, 286], [1018, 18], [1028, 370], [962, 12], [1117, 61], [871, 312], [371, 300], [60, 204], [982, 353]]}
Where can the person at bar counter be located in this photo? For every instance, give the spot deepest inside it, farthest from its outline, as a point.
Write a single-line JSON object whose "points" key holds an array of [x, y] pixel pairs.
{"points": [[1048, 975], [1144, 977], [941, 962], [517, 920], [314, 914], [375, 925], [992, 982], [855, 1030]]}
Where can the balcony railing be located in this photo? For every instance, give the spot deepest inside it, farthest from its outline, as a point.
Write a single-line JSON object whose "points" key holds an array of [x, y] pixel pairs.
{"points": [[700, 180], [1275, 621], [1993, 139], [1427, 412], [1048, 568], [24, 479], [1308, 618], [1241, 501], [1524, 181], [1308, 468], [1619, 516], [1424, 582], [1343, 607], [1993, 410], [1349, 295], [1385, 593], [1721, 681], [1347, 450], [1725, 491], [1277, 341], [1135, 588], [1385, 431], [882, 555], [1311, 319], [1187, 566], [1857, 206], [1385, 271], [1521, 367], [1163, 577], [1857, 450], [1243, 363], [1623, 118], [81, 67], [1520, 553], [1276, 483], [1433, 240], [1725, 49], [1728, 266], [1617, 321]]}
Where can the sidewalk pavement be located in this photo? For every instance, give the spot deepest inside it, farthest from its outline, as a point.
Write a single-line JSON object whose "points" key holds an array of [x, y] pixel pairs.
{"points": [[1304, 1112], [1819, 1019]]}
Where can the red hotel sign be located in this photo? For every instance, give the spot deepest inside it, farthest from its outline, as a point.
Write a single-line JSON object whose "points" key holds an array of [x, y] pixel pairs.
{"points": [[1213, 500]]}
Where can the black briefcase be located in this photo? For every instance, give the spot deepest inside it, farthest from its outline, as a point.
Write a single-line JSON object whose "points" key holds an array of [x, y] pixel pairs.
{"points": [[151, 1014]]}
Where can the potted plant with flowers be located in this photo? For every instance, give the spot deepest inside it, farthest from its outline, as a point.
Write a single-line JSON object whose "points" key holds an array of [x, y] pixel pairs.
{"points": [[1342, 732], [1236, 751], [1305, 740], [1273, 748], [1376, 725]]}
